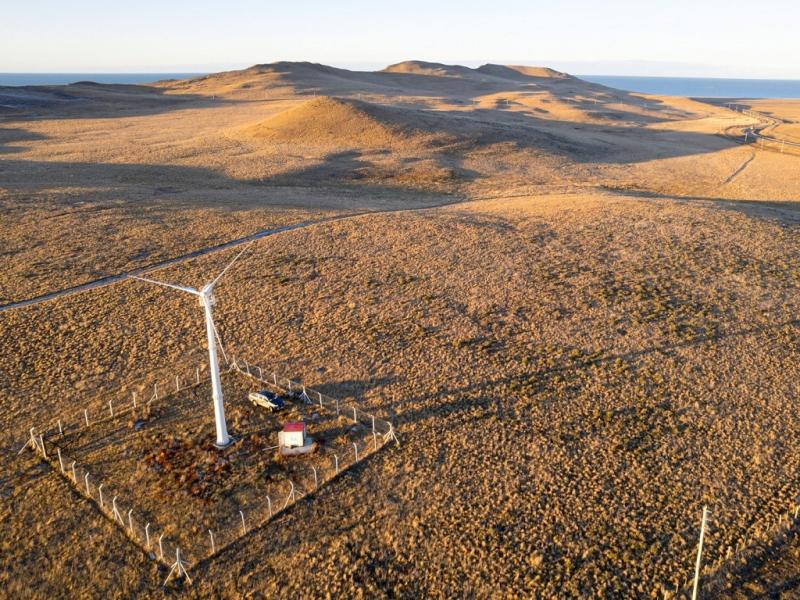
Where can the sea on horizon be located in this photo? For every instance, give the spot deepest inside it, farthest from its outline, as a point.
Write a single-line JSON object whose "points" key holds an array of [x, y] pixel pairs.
{"points": [[702, 87], [17, 79]]}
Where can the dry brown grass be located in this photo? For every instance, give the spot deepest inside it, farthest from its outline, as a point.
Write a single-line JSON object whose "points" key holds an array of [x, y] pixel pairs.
{"points": [[345, 124], [572, 375], [145, 173], [159, 459]]}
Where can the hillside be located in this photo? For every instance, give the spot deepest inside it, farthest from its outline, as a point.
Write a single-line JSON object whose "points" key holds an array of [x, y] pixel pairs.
{"points": [[413, 132], [577, 306], [347, 123]]}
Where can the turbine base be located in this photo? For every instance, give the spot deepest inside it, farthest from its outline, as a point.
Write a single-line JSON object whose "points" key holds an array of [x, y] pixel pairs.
{"points": [[219, 446]]}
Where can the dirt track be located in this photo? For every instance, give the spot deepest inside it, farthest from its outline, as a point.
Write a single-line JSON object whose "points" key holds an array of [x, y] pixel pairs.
{"points": [[574, 368]]}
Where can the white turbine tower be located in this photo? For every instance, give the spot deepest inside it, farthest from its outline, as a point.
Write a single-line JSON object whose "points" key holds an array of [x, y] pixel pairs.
{"points": [[206, 298]]}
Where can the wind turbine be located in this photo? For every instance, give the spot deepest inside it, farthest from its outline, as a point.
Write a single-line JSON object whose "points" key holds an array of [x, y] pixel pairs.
{"points": [[206, 298]]}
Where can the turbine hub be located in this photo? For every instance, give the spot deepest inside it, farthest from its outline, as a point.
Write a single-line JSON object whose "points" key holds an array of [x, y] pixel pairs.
{"points": [[207, 296]]}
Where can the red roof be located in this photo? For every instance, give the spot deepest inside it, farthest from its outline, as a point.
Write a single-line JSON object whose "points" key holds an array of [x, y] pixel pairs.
{"points": [[294, 426]]}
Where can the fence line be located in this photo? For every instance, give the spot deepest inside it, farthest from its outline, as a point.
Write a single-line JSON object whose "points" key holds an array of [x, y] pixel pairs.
{"points": [[81, 480], [65, 427], [139, 535], [310, 396], [751, 132], [250, 518]]}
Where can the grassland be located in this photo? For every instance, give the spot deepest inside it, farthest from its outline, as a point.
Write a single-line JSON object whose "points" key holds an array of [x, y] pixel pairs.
{"points": [[595, 341], [160, 460]]}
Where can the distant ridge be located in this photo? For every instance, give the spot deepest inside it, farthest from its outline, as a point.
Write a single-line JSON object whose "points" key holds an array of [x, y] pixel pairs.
{"points": [[419, 67], [515, 72], [521, 72], [313, 71], [284, 67]]}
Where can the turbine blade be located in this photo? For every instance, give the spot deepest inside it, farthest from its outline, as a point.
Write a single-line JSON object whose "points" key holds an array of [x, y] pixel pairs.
{"points": [[169, 285], [230, 264]]}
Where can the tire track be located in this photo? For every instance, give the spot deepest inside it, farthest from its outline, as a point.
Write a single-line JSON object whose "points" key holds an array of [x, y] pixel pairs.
{"points": [[767, 123], [109, 279], [739, 170]]}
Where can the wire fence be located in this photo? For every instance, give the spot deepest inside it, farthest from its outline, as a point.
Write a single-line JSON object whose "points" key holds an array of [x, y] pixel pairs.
{"points": [[148, 536], [769, 142], [132, 400], [173, 543], [765, 141], [348, 409]]}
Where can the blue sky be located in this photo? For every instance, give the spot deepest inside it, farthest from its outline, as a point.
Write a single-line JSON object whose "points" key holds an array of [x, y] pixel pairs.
{"points": [[631, 37]]}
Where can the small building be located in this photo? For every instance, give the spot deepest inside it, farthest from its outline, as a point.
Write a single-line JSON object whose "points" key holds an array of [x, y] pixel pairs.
{"points": [[293, 435]]}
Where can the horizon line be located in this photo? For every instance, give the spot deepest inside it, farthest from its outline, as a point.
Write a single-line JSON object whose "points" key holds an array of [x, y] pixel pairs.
{"points": [[211, 72]]}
